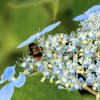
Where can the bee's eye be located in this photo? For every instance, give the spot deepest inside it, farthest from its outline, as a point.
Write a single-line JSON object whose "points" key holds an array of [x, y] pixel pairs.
{"points": [[32, 45]]}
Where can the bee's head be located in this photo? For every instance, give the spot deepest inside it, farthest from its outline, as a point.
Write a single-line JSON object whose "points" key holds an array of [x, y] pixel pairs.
{"points": [[32, 45]]}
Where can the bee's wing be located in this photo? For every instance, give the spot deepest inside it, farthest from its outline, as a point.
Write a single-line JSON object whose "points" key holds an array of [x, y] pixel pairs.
{"points": [[28, 41], [34, 37]]}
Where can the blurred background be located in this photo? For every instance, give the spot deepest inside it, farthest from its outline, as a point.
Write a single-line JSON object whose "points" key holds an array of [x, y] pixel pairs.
{"points": [[19, 19]]}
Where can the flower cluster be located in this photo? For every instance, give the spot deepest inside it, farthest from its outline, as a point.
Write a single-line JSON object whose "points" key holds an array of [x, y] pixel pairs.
{"points": [[72, 62]]}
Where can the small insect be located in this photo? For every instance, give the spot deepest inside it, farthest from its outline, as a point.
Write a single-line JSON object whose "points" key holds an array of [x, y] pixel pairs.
{"points": [[35, 51]]}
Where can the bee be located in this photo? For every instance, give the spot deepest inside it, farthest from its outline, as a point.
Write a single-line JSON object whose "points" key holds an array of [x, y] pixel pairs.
{"points": [[35, 51]]}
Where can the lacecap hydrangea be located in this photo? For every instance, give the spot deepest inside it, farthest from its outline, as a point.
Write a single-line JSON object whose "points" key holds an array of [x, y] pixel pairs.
{"points": [[71, 61]]}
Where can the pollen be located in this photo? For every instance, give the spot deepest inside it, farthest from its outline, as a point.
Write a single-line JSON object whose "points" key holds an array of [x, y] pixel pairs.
{"points": [[26, 72], [98, 35], [55, 55], [50, 66], [43, 79], [55, 60], [57, 82]]}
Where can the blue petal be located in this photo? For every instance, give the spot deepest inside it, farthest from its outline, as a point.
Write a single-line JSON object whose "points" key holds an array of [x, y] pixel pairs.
{"points": [[49, 28], [80, 17], [88, 81], [7, 91], [2, 81], [93, 9], [34, 37], [8, 74], [20, 81], [28, 41]]}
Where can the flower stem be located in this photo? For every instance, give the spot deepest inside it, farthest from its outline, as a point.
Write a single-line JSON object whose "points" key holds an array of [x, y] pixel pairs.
{"points": [[89, 89]]}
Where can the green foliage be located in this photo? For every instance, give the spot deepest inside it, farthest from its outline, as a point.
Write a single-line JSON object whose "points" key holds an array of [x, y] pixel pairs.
{"points": [[30, 3], [34, 90], [88, 97], [56, 6], [27, 3]]}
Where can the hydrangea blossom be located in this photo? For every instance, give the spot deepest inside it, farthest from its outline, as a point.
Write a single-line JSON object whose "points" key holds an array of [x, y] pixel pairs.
{"points": [[36, 36], [7, 91], [72, 62], [88, 13]]}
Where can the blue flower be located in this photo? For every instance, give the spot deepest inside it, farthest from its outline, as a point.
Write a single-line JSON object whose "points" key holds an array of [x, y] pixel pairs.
{"points": [[94, 9], [8, 74], [84, 16], [88, 81], [59, 87], [7, 91], [80, 17], [34, 37], [77, 44], [80, 79], [19, 82]]}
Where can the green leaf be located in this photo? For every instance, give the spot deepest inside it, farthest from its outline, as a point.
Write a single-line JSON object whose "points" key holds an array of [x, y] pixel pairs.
{"points": [[27, 3], [35, 90]]}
